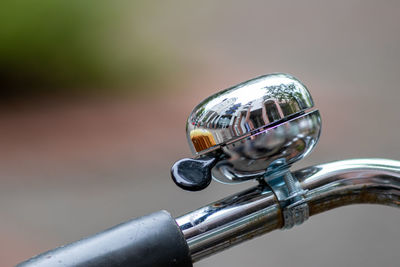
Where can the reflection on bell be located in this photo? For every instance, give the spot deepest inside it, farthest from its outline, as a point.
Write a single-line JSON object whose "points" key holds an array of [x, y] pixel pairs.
{"points": [[202, 139]]}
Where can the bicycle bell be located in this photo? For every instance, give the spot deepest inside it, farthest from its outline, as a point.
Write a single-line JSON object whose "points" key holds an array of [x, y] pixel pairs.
{"points": [[247, 131]]}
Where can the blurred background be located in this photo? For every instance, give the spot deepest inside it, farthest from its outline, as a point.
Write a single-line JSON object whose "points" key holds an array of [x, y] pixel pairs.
{"points": [[95, 94]]}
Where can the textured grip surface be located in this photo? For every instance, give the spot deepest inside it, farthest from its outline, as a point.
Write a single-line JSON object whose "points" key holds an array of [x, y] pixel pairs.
{"points": [[151, 240]]}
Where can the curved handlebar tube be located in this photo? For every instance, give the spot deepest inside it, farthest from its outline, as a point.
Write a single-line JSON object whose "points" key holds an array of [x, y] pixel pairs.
{"points": [[256, 211], [156, 239]]}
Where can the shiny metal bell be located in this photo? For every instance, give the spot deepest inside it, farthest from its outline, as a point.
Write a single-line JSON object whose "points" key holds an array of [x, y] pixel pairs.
{"points": [[254, 127]]}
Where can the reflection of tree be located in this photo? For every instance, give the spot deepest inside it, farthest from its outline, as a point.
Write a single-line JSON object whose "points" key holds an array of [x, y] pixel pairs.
{"points": [[283, 92], [291, 98]]}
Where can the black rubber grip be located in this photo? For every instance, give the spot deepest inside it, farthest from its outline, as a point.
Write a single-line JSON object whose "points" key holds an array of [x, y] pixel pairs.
{"points": [[151, 240]]}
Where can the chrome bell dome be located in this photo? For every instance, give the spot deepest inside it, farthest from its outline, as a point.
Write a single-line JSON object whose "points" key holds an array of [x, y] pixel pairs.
{"points": [[254, 127]]}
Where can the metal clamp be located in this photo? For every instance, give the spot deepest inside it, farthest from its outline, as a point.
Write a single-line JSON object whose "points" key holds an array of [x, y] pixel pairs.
{"points": [[290, 195]]}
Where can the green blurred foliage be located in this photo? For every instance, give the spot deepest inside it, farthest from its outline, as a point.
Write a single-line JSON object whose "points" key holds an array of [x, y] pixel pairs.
{"points": [[55, 46]]}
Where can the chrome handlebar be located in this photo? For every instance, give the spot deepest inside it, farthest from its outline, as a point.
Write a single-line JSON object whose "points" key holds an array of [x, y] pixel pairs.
{"points": [[256, 211]]}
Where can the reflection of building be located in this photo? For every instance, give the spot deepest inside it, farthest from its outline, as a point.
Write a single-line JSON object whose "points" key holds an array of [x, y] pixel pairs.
{"points": [[264, 100], [256, 114], [216, 117], [264, 111], [271, 111], [240, 119]]}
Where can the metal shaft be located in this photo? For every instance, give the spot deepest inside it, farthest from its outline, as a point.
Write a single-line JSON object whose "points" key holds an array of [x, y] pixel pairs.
{"points": [[256, 211]]}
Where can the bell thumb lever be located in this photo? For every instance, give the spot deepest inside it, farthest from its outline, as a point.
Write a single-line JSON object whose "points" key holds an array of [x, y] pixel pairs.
{"points": [[193, 174]]}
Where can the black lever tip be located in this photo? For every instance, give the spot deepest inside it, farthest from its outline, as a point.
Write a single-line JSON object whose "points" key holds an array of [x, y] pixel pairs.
{"points": [[192, 174]]}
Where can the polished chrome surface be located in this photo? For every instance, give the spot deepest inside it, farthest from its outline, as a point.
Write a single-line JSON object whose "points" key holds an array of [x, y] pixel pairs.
{"points": [[357, 181], [256, 211], [250, 127], [282, 144], [241, 109], [229, 221]]}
